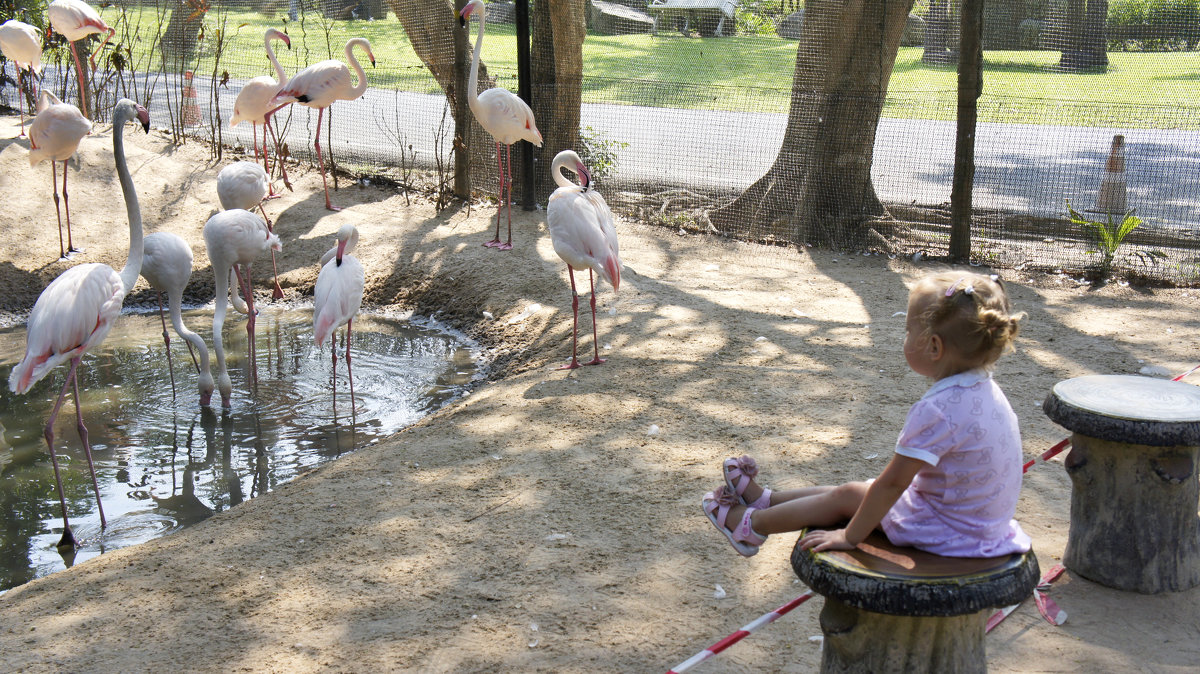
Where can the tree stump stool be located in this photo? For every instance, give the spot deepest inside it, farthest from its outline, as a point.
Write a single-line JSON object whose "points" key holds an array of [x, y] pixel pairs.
{"points": [[1135, 443], [897, 609]]}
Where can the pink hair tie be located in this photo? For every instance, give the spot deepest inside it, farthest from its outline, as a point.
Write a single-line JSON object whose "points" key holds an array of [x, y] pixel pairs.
{"points": [[968, 290]]}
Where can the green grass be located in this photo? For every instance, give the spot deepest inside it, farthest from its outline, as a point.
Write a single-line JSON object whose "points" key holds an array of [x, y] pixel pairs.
{"points": [[744, 73]]}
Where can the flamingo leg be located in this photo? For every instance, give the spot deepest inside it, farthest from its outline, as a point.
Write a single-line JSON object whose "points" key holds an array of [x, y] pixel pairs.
{"points": [[595, 340], [266, 167], [574, 322], [167, 339], [507, 201], [92, 56], [499, 198], [87, 447], [68, 539], [82, 94], [349, 370], [243, 276], [333, 353], [254, 142], [321, 160], [21, 103], [67, 209], [278, 162], [62, 252]]}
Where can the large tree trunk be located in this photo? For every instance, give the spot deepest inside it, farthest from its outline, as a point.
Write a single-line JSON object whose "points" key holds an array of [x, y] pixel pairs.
{"points": [[559, 28], [1086, 35], [819, 189]]}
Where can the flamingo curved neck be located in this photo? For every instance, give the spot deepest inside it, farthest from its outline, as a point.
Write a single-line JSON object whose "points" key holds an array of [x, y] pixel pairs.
{"points": [[556, 168], [360, 88], [280, 76], [473, 81], [133, 265]]}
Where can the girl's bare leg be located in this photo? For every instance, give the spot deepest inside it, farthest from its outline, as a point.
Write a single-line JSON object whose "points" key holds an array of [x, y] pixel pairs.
{"points": [[807, 507]]}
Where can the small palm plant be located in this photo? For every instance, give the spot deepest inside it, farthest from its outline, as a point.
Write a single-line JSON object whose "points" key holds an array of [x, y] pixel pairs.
{"points": [[1109, 236]]}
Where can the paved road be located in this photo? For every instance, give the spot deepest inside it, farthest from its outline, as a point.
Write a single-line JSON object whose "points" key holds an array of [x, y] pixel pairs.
{"points": [[1021, 168]]}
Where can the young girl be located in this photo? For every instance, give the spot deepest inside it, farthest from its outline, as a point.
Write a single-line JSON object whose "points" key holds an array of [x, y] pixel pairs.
{"points": [[951, 488]]}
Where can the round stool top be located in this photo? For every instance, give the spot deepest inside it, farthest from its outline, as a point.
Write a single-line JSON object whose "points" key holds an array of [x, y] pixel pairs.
{"points": [[1127, 408], [884, 578]]}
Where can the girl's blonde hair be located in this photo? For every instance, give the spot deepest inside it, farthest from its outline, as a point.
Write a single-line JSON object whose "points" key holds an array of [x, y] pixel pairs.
{"points": [[972, 315]]}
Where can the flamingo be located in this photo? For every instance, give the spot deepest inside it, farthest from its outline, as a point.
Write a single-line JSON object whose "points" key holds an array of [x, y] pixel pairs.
{"points": [[502, 114], [319, 85], [75, 312], [337, 297], [253, 105], [75, 20], [21, 43], [234, 238], [244, 185], [55, 134], [167, 266], [581, 229]]}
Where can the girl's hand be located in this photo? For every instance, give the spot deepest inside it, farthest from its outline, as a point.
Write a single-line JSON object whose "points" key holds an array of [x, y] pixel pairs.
{"points": [[819, 540]]}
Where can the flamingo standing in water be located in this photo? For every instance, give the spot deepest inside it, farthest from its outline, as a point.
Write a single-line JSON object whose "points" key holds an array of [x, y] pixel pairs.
{"points": [[581, 229], [338, 297], [235, 238], [319, 85], [21, 43], [253, 105], [75, 312], [244, 185], [502, 114], [167, 266], [75, 20], [55, 134]]}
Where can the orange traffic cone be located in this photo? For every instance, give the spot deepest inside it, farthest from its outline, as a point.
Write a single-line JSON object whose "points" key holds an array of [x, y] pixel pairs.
{"points": [[191, 107], [1111, 198]]}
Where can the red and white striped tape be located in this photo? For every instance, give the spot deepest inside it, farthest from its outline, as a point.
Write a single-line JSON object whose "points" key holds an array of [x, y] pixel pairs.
{"points": [[765, 619], [1046, 606]]}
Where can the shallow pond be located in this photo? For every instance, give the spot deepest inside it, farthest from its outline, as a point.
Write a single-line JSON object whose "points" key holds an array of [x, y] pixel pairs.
{"points": [[164, 464]]}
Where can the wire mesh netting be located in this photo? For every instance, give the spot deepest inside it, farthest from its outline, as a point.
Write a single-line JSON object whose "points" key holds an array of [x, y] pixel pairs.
{"points": [[684, 106]]}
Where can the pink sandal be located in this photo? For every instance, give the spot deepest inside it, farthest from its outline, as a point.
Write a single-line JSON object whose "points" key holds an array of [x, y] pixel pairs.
{"points": [[738, 475], [743, 538]]}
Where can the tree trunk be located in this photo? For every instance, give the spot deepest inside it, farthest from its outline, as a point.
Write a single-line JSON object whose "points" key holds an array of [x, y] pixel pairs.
{"points": [[970, 87], [857, 640], [559, 28], [1085, 39], [819, 190]]}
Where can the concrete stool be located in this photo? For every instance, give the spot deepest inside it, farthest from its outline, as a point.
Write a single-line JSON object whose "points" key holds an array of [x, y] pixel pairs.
{"points": [[896, 609], [1135, 443]]}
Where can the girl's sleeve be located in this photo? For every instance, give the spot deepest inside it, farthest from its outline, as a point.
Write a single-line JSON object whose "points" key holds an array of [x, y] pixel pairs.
{"points": [[927, 434]]}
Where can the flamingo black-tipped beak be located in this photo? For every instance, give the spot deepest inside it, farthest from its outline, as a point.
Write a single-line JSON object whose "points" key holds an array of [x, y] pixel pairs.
{"points": [[341, 248], [585, 177], [143, 116], [287, 40]]}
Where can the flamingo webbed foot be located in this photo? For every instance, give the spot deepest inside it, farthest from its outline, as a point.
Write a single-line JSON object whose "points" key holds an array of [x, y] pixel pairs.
{"points": [[68, 539], [277, 293], [596, 361], [503, 246], [492, 244]]}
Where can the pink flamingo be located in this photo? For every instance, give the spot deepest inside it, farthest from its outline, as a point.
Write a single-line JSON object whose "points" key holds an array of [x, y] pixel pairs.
{"points": [[502, 114], [338, 297], [253, 105], [21, 43], [75, 20], [75, 312], [234, 238], [319, 85], [167, 267], [55, 134], [581, 229], [244, 184]]}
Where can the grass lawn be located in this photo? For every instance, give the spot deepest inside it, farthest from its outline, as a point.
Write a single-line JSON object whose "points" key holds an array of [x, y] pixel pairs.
{"points": [[750, 73]]}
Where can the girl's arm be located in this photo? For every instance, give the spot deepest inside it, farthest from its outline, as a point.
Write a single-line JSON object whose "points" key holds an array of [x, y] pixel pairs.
{"points": [[880, 498]]}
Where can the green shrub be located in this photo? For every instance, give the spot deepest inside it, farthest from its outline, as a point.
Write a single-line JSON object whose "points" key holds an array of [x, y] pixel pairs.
{"points": [[1154, 25]]}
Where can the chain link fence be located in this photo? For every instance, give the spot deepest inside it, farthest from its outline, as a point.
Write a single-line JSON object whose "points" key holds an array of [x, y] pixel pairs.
{"points": [[685, 104]]}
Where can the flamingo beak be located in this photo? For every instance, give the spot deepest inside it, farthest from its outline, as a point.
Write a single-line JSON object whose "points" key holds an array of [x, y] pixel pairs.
{"points": [[341, 248], [287, 40], [585, 177], [144, 117]]}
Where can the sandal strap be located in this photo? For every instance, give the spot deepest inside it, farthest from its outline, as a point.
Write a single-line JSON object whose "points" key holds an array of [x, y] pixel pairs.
{"points": [[745, 533]]}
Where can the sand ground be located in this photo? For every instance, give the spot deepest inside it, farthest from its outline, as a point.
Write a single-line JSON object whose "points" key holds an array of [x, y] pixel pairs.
{"points": [[538, 524]]}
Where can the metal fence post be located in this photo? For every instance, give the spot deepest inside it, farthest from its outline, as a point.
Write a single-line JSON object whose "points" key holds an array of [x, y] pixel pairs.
{"points": [[525, 91]]}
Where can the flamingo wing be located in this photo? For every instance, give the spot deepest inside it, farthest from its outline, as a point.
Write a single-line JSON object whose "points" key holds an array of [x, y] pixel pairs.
{"points": [[317, 86], [508, 118], [253, 102], [242, 184], [166, 261], [75, 19], [21, 43], [73, 314], [55, 133], [580, 224], [337, 297]]}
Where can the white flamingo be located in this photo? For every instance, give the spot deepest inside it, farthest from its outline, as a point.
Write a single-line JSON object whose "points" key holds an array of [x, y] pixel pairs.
{"points": [[319, 85], [253, 104], [167, 267], [235, 238], [54, 135], [75, 20], [338, 297], [75, 312], [581, 229], [245, 184], [21, 43], [502, 114]]}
